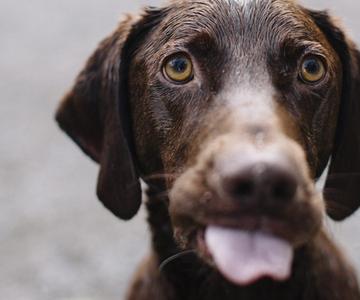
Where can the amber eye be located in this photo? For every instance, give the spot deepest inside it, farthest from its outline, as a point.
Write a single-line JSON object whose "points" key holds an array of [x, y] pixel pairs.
{"points": [[312, 69], [178, 68]]}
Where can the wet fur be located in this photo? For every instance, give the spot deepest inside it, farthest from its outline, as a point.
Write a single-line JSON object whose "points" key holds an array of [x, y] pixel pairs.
{"points": [[125, 116]]}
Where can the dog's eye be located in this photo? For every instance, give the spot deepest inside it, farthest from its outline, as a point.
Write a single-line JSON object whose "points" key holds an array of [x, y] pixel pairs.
{"points": [[312, 69], [178, 68]]}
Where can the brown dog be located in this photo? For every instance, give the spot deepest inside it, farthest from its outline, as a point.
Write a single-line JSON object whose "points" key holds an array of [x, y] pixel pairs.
{"points": [[230, 111]]}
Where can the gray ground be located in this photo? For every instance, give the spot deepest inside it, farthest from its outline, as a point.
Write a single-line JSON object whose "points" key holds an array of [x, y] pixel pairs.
{"points": [[56, 240]]}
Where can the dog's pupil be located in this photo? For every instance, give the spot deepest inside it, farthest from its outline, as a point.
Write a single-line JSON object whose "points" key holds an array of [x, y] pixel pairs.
{"points": [[312, 66], [179, 65]]}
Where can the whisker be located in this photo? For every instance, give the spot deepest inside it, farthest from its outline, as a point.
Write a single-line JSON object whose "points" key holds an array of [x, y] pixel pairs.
{"points": [[159, 194], [164, 194], [160, 176], [174, 257]]}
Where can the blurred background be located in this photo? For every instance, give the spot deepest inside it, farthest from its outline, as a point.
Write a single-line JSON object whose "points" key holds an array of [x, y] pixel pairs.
{"points": [[56, 239]]}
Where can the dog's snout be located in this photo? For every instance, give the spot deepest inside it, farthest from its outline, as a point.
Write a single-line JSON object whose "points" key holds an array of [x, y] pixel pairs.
{"points": [[261, 182]]}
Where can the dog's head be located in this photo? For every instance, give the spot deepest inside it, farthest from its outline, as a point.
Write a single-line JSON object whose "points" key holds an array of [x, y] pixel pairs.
{"points": [[242, 104]]}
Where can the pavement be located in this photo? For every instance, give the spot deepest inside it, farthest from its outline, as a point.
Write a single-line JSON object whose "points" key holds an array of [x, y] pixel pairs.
{"points": [[56, 240]]}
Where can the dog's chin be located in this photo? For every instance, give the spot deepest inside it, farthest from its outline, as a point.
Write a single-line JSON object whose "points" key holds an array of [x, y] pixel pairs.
{"points": [[244, 244], [245, 256], [247, 249]]}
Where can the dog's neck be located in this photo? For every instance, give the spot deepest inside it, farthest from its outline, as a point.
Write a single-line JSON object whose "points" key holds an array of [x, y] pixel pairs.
{"points": [[189, 276]]}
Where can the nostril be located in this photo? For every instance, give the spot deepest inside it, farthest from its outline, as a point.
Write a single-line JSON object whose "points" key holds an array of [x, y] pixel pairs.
{"points": [[239, 187], [262, 182], [283, 190], [283, 184], [244, 189]]}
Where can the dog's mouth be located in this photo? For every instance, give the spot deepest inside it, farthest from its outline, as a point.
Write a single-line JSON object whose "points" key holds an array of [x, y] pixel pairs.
{"points": [[250, 234], [245, 256], [247, 249]]}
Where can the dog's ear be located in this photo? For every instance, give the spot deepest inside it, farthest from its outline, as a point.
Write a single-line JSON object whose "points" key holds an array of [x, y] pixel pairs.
{"points": [[96, 115], [342, 188]]}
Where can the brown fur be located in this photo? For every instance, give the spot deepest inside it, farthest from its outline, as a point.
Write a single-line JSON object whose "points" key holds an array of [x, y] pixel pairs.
{"points": [[244, 103]]}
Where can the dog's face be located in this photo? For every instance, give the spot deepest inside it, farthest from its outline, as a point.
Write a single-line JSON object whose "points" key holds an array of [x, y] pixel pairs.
{"points": [[241, 104], [244, 118]]}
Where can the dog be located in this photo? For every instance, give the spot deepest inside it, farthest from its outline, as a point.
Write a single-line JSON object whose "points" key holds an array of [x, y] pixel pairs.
{"points": [[230, 111]]}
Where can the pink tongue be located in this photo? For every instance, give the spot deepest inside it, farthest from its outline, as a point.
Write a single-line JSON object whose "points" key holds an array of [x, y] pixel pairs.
{"points": [[244, 257]]}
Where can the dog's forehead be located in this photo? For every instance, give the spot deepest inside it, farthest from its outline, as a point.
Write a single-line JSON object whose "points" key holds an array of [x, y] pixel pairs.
{"points": [[244, 2], [239, 29], [237, 35], [231, 23], [247, 2]]}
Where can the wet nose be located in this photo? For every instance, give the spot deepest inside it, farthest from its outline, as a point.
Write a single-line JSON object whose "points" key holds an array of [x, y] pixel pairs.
{"points": [[262, 181]]}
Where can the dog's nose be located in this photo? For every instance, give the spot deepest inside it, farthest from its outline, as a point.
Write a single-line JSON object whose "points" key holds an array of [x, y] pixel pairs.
{"points": [[262, 182]]}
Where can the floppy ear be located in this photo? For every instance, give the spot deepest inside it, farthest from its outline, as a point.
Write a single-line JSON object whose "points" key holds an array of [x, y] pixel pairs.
{"points": [[342, 189], [96, 115]]}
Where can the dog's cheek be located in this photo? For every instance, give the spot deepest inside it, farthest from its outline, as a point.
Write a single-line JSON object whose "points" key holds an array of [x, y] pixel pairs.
{"points": [[185, 205], [146, 139], [308, 216]]}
